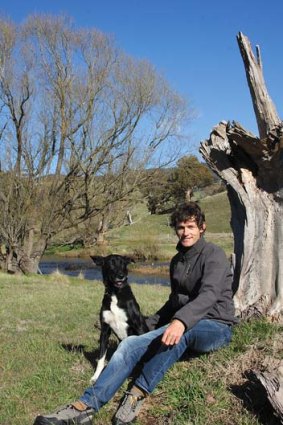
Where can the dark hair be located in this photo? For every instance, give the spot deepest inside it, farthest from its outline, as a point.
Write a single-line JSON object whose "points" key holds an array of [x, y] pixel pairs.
{"points": [[185, 212]]}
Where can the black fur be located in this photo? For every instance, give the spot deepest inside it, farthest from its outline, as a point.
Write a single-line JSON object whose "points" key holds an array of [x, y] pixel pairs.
{"points": [[119, 305]]}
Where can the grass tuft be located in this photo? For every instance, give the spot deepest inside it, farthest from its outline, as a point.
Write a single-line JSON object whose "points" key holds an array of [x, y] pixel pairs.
{"points": [[59, 277]]}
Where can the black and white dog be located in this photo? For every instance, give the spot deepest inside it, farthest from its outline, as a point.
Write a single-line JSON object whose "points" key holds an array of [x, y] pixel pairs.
{"points": [[120, 311]]}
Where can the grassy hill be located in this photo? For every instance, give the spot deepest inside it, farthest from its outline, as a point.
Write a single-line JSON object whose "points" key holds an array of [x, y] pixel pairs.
{"points": [[151, 237], [152, 234]]}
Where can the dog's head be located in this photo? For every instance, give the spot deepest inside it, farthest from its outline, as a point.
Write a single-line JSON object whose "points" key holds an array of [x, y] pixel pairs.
{"points": [[114, 269]]}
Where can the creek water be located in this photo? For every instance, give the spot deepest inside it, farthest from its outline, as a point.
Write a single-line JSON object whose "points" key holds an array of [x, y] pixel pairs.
{"points": [[76, 266]]}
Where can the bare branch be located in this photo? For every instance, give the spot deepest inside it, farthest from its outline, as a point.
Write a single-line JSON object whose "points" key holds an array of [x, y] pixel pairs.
{"points": [[265, 111]]}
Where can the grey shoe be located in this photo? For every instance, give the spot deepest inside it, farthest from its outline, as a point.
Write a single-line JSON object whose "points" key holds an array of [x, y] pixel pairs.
{"points": [[128, 409], [75, 414]]}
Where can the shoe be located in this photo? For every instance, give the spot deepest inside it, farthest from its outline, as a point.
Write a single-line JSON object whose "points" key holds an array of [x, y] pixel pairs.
{"points": [[77, 413], [129, 408]]}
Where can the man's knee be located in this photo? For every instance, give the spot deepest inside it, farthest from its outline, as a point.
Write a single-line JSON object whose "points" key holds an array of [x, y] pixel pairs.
{"points": [[127, 343]]}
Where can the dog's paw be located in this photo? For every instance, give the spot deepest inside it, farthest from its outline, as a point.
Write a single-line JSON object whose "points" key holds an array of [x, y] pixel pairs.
{"points": [[93, 379]]}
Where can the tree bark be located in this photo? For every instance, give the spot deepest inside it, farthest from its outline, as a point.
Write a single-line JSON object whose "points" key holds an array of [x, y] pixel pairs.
{"points": [[273, 385], [252, 169], [265, 111], [23, 258], [101, 230]]}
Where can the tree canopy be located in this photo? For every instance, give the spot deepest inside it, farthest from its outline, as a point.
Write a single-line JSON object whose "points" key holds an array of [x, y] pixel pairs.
{"points": [[189, 175], [166, 187], [79, 121]]}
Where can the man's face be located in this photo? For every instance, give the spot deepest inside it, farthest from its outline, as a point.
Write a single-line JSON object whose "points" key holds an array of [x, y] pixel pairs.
{"points": [[188, 232]]}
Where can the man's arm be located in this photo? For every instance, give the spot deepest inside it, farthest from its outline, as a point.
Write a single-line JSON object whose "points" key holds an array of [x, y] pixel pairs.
{"points": [[161, 317]]}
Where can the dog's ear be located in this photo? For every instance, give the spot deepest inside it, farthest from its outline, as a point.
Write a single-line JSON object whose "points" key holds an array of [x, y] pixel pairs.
{"points": [[97, 259], [129, 260]]}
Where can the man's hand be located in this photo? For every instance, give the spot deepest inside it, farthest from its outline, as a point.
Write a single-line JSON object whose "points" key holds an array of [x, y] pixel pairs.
{"points": [[173, 333]]}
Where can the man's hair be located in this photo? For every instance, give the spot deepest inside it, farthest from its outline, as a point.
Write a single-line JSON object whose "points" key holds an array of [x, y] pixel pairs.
{"points": [[185, 212]]}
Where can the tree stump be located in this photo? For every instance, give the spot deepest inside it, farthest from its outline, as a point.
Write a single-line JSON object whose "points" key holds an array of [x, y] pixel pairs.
{"points": [[252, 168]]}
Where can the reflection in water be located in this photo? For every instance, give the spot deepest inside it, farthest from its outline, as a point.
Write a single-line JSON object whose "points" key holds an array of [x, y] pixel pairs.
{"points": [[75, 266]]}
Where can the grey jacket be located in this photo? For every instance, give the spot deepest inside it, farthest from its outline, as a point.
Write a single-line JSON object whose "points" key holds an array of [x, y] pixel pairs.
{"points": [[201, 287]]}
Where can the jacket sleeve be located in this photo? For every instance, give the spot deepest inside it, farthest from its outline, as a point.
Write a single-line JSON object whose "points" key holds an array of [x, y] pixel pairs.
{"points": [[212, 283], [161, 317], [165, 313]]}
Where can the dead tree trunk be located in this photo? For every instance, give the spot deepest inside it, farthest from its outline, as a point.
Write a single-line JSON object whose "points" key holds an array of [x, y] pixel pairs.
{"points": [[252, 169]]}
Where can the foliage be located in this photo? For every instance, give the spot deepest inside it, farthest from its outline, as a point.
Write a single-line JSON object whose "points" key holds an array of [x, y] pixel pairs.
{"points": [[166, 187], [156, 190], [188, 176], [213, 189]]}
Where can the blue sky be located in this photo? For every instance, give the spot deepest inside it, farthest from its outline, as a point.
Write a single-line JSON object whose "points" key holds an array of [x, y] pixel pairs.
{"points": [[191, 42]]}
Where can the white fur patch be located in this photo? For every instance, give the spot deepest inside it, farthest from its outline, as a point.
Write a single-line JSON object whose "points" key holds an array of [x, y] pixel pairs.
{"points": [[99, 369], [116, 318]]}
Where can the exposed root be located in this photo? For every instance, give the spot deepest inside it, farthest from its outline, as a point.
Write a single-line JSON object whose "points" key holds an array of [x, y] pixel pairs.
{"points": [[261, 308], [275, 313]]}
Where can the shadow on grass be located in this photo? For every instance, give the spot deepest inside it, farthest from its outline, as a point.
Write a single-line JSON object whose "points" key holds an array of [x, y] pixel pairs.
{"points": [[91, 356], [254, 399]]}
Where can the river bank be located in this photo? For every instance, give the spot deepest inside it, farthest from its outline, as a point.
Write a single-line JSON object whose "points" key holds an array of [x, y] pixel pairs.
{"points": [[141, 273]]}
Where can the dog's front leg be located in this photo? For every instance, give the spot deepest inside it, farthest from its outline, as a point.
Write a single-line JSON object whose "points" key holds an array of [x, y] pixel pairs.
{"points": [[103, 343]]}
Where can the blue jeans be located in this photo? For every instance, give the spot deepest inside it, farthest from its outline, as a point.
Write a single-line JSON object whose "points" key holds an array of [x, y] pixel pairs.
{"points": [[151, 359]]}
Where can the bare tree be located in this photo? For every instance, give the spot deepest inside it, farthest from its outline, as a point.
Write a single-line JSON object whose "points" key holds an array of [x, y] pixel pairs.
{"points": [[79, 120], [252, 168]]}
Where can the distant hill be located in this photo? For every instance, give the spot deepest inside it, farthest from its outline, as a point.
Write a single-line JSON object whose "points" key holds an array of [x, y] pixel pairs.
{"points": [[150, 237]]}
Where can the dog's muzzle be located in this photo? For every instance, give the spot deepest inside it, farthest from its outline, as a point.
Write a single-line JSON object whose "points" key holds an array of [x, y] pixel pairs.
{"points": [[118, 283]]}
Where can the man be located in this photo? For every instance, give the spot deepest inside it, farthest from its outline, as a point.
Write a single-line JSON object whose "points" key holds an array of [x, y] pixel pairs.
{"points": [[198, 316]]}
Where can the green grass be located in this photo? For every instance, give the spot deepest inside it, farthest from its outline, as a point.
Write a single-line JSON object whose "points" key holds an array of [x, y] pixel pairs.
{"points": [[217, 212], [155, 229], [47, 338]]}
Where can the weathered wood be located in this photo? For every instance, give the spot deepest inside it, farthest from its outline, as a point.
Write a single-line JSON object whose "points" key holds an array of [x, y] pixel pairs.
{"points": [[265, 111], [273, 384], [252, 168]]}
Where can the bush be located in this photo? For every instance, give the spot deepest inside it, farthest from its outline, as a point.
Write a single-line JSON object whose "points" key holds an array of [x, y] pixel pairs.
{"points": [[148, 250], [213, 189]]}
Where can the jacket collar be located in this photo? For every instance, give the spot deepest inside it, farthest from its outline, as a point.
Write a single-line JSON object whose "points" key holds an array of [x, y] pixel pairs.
{"points": [[192, 250]]}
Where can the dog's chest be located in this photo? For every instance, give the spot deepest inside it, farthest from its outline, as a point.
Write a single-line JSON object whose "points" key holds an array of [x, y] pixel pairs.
{"points": [[116, 318]]}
